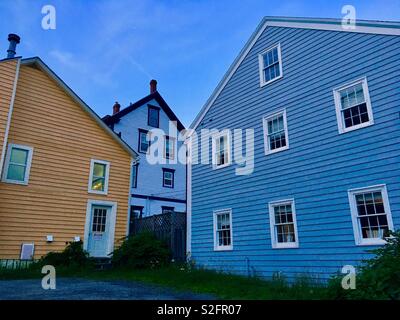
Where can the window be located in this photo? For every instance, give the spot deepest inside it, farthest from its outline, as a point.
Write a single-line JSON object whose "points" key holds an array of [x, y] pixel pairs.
{"points": [[135, 168], [166, 209], [153, 116], [353, 106], [221, 150], [270, 63], [282, 216], [99, 220], [99, 173], [223, 230], [275, 132], [168, 178], [371, 214], [18, 164], [169, 148], [144, 141]]}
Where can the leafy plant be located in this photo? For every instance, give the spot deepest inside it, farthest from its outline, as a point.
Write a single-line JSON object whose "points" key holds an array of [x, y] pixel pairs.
{"points": [[378, 277], [141, 251], [73, 256]]}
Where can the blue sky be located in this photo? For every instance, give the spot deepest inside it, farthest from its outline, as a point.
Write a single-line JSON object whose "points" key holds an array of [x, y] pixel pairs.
{"points": [[108, 51]]}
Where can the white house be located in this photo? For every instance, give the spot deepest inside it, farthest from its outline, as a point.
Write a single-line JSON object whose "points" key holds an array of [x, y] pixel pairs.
{"points": [[161, 187]]}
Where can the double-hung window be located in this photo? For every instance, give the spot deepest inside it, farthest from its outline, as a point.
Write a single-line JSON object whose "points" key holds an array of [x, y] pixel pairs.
{"points": [[18, 164], [168, 177], [270, 64], [371, 214], [99, 176], [169, 148], [221, 150], [144, 141], [353, 106], [153, 116], [223, 230], [282, 216], [275, 132]]}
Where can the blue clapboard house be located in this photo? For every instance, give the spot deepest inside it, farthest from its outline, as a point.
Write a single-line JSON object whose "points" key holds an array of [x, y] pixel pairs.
{"points": [[324, 102]]}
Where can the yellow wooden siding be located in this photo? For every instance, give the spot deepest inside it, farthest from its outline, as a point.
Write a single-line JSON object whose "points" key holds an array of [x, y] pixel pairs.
{"points": [[65, 139], [7, 78]]}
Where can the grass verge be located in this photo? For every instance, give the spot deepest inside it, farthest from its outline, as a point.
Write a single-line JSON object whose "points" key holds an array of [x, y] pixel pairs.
{"points": [[221, 285]]}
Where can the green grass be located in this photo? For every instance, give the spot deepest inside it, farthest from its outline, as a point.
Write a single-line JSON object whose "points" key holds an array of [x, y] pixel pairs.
{"points": [[221, 285]]}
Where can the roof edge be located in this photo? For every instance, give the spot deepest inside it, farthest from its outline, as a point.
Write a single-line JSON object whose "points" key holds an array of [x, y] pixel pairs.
{"points": [[329, 24], [44, 67]]}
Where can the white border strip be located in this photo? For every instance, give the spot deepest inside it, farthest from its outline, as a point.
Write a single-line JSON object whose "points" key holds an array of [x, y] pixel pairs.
{"points": [[268, 23], [10, 111]]}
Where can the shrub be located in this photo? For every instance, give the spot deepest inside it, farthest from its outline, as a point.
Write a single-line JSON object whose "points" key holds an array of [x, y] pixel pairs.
{"points": [[73, 256], [141, 251], [378, 277]]}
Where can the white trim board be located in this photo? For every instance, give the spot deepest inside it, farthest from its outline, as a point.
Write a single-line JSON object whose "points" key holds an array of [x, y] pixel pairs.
{"points": [[10, 111], [362, 26]]}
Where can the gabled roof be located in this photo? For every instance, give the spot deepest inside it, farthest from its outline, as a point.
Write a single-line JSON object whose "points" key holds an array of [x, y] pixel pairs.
{"points": [[362, 26], [109, 120], [37, 62]]}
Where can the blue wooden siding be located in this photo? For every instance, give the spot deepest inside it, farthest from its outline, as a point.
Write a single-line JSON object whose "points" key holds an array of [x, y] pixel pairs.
{"points": [[320, 165]]}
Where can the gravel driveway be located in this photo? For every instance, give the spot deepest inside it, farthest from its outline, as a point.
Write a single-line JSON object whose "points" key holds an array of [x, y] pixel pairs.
{"points": [[82, 289]]}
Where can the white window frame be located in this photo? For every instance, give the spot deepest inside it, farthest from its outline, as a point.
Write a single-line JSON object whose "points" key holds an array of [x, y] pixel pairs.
{"points": [[214, 146], [340, 121], [106, 179], [216, 246], [28, 164], [274, 240], [261, 64], [359, 240], [267, 149]]}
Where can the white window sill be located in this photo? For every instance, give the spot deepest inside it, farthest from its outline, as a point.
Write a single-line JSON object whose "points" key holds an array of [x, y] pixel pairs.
{"points": [[293, 245], [263, 84], [104, 193], [359, 126], [268, 152], [225, 248], [371, 242], [221, 166], [23, 183]]}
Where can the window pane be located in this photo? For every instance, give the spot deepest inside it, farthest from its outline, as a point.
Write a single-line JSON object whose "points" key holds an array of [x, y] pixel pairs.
{"points": [[16, 172], [134, 176], [19, 156], [99, 170], [98, 183], [153, 117]]}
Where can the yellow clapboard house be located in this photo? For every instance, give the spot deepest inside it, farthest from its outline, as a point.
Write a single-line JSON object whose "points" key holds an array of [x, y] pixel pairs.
{"points": [[65, 176]]}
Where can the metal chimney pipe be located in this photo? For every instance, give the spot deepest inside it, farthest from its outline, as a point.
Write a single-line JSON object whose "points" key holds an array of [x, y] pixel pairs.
{"points": [[14, 40]]}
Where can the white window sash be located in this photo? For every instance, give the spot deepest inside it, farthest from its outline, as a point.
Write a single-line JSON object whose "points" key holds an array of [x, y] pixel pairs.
{"points": [[27, 166], [274, 237], [217, 213], [358, 238], [262, 67], [106, 177], [216, 152], [266, 118], [339, 110]]}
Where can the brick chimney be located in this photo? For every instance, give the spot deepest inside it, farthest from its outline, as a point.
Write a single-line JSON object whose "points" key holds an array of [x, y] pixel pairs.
{"points": [[153, 86], [14, 40], [116, 107]]}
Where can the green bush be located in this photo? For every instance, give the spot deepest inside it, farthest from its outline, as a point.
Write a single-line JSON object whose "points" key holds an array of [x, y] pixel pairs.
{"points": [[73, 256], [378, 277], [140, 252]]}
